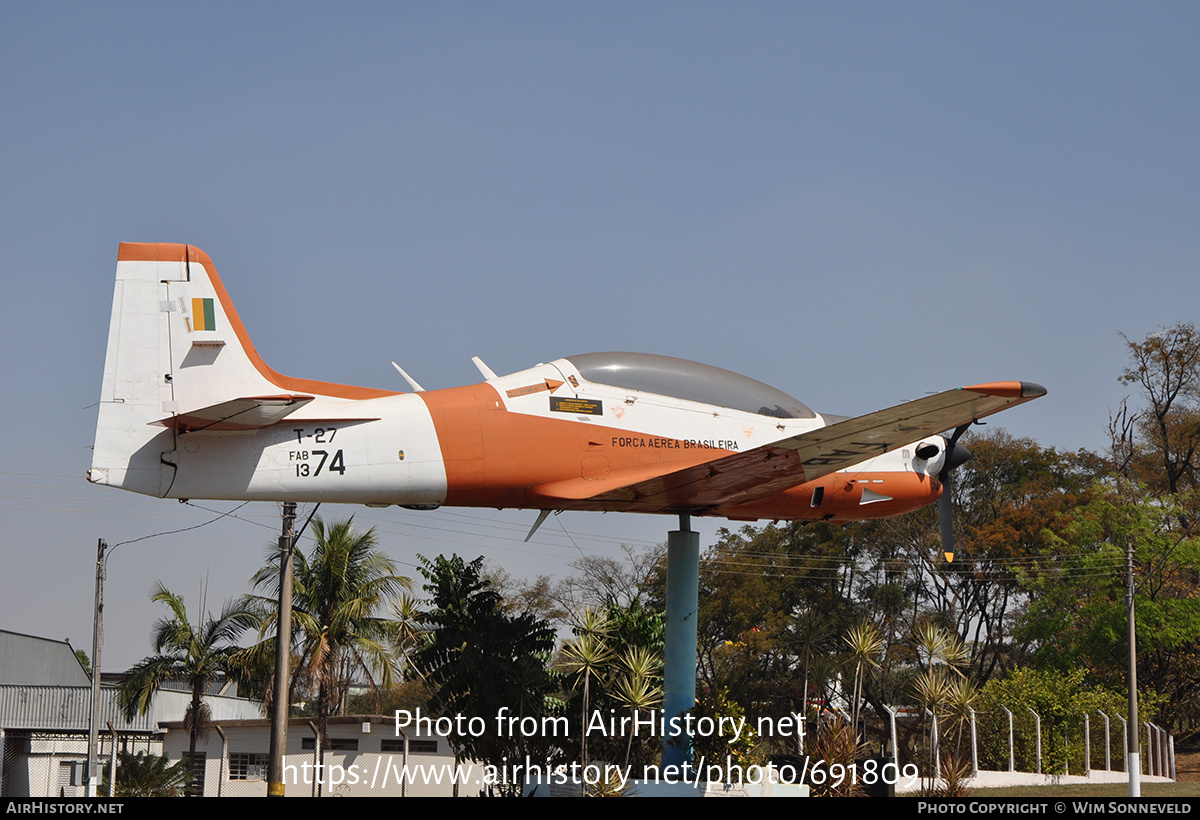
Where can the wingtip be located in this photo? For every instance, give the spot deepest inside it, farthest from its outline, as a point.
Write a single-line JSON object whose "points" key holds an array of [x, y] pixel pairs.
{"points": [[1015, 390]]}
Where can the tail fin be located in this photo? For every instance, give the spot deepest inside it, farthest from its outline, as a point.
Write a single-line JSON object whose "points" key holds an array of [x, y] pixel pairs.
{"points": [[179, 360]]}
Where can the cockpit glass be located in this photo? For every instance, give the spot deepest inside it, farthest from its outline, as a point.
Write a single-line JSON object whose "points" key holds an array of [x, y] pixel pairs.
{"points": [[668, 376]]}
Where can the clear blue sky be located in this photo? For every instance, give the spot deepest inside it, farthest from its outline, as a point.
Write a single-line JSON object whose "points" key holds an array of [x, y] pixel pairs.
{"points": [[855, 202]]}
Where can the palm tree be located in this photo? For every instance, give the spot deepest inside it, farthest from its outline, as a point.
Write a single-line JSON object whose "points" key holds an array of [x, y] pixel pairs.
{"points": [[865, 643], [934, 686], [146, 775], [637, 688], [196, 654], [813, 630], [935, 644], [337, 590], [588, 656], [410, 633]]}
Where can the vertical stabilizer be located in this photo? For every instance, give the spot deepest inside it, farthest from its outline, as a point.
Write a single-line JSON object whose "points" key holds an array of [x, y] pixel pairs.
{"points": [[175, 345], [179, 362]]}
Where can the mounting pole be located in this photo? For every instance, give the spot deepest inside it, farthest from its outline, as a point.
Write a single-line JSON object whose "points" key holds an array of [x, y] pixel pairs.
{"points": [[93, 768], [1133, 766], [679, 662], [283, 646]]}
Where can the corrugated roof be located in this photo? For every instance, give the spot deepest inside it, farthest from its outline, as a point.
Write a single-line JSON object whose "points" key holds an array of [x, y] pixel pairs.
{"points": [[63, 708], [28, 659]]}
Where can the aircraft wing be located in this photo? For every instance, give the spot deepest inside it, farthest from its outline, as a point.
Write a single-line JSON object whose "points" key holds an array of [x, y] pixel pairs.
{"points": [[765, 471], [841, 445]]}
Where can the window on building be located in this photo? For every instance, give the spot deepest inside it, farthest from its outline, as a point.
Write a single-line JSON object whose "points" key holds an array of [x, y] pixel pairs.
{"points": [[429, 747], [67, 775], [248, 766], [336, 744], [195, 767]]}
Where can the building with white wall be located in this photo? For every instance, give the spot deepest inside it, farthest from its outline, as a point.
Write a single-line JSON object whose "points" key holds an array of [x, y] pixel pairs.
{"points": [[368, 757], [45, 708]]}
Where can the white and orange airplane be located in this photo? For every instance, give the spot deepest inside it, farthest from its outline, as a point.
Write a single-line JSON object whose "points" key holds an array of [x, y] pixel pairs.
{"points": [[189, 410]]}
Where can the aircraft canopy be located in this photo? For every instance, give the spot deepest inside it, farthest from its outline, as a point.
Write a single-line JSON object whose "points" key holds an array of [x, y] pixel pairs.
{"points": [[692, 381]]}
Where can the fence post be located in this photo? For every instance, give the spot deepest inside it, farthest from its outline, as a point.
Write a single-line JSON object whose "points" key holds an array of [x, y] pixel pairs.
{"points": [[1161, 734], [1011, 752], [1151, 740], [1162, 750], [1107, 757], [1171, 753], [1038, 727], [1087, 745], [1152, 734], [1124, 743]]}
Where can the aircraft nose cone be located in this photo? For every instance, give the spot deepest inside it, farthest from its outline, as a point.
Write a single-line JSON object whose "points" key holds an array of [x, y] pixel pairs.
{"points": [[959, 456]]}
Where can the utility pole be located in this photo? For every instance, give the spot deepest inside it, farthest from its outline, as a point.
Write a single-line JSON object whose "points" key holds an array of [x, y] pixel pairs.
{"points": [[283, 646], [93, 770], [1133, 763]]}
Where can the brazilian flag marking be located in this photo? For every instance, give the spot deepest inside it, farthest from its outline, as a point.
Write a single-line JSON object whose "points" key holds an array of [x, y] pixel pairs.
{"points": [[204, 317]]}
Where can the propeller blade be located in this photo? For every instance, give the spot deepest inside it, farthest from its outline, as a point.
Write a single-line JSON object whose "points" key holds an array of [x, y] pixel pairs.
{"points": [[946, 517], [956, 456]]}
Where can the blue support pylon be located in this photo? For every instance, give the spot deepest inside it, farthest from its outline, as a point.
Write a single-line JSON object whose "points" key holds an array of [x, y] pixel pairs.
{"points": [[679, 661]]}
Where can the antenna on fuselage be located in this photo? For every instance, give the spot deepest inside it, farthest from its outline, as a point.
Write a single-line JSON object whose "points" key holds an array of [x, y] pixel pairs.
{"points": [[483, 368], [542, 516], [411, 381]]}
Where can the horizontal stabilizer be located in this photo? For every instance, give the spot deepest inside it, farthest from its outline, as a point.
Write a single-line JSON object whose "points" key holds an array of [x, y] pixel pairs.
{"points": [[239, 414]]}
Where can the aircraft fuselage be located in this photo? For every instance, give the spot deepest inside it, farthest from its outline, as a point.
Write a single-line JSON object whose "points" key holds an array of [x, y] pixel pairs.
{"points": [[189, 410]]}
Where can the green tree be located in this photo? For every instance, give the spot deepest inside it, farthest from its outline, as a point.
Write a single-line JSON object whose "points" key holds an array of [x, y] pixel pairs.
{"points": [[405, 695], [864, 643], [339, 589], [639, 685], [1009, 493], [1077, 613], [758, 587], [588, 657], [1060, 699], [1160, 444], [197, 654], [479, 660], [716, 748], [940, 685], [615, 663], [409, 633]]}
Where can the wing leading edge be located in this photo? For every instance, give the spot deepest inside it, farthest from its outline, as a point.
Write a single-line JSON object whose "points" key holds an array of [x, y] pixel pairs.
{"points": [[828, 449], [768, 470]]}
